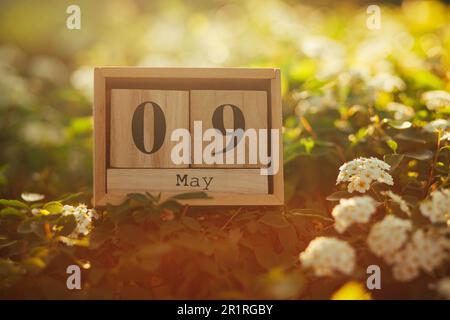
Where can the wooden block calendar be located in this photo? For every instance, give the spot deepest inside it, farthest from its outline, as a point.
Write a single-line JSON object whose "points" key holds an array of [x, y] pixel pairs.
{"points": [[174, 130]]}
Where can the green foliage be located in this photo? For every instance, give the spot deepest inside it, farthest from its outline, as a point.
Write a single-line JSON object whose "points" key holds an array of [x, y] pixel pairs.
{"points": [[335, 109]]}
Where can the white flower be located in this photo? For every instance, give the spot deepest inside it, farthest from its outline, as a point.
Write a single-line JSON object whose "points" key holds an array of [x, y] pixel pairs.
{"points": [[315, 103], [399, 200], [406, 267], [401, 112], [83, 217], [446, 136], [388, 236], [361, 172], [353, 210], [425, 251], [359, 184], [439, 124], [387, 82], [32, 197], [326, 256], [436, 99], [320, 47], [443, 287], [437, 209]]}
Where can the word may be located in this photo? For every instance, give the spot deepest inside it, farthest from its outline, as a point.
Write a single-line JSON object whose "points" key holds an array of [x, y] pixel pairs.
{"points": [[225, 149], [194, 181]]}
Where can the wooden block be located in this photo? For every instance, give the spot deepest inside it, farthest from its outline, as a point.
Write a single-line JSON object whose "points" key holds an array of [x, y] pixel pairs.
{"points": [[252, 104], [211, 181], [119, 169], [128, 150]]}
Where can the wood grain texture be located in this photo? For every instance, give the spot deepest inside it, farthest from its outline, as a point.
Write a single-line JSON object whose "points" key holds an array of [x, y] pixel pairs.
{"points": [[107, 79], [195, 73], [277, 123], [233, 181], [253, 105], [100, 124], [124, 152]]}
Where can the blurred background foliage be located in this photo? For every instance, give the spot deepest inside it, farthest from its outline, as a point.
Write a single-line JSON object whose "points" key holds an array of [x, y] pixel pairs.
{"points": [[325, 51], [339, 80]]}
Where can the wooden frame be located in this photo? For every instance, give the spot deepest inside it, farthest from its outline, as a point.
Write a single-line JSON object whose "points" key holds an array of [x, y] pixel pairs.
{"points": [[107, 78]]}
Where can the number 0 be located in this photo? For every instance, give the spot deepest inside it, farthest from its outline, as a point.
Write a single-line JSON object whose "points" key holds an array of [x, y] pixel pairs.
{"points": [[159, 127]]}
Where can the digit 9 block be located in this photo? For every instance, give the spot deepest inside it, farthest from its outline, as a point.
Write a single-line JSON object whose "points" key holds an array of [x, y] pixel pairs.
{"points": [[250, 107], [137, 109]]}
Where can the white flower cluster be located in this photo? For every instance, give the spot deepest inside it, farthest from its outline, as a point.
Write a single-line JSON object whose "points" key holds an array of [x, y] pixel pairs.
{"points": [[445, 136], [353, 210], [443, 287], [436, 99], [435, 125], [398, 200], [401, 112], [326, 256], [437, 209], [361, 172], [83, 217], [388, 236], [425, 251], [387, 82]]}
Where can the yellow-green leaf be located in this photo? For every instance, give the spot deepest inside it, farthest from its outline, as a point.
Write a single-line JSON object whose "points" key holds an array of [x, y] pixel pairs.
{"points": [[53, 207]]}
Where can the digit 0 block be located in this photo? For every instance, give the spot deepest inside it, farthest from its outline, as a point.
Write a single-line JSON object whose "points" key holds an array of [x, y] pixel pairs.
{"points": [[141, 123], [136, 111], [230, 109]]}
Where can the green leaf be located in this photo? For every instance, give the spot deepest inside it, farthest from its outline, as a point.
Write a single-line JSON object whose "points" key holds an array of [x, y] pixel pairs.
{"points": [[13, 203], [28, 225], [392, 144], [138, 198], [336, 196], [70, 196], [311, 213], [171, 204], [191, 223], [424, 154], [274, 219], [266, 257], [191, 195], [4, 244], [153, 198], [308, 144], [393, 160], [54, 207], [68, 224], [34, 263], [399, 125], [10, 211], [409, 136], [36, 205]]}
